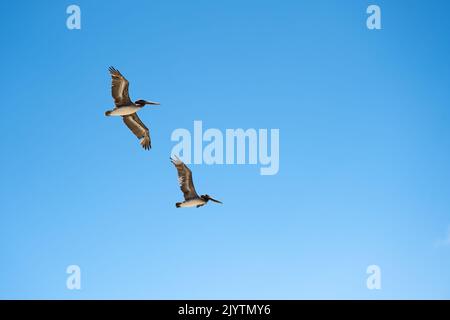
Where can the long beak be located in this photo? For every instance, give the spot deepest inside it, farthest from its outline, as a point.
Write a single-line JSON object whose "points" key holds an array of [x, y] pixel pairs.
{"points": [[151, 102], [215, 200]]}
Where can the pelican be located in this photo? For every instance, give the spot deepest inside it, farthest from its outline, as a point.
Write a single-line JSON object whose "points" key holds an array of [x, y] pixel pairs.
{"points": [[191, 198], [127, 109]]}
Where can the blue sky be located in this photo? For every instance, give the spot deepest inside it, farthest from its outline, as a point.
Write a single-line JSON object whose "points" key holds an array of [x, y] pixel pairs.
{"points": [[364, 150]]}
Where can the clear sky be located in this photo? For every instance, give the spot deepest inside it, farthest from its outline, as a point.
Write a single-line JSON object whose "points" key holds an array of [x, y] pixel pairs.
{"points": [[364, 175]]}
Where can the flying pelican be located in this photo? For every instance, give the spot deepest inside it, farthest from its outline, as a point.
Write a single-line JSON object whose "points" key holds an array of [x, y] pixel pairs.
{"points": [[127, 109], [192, 199]]}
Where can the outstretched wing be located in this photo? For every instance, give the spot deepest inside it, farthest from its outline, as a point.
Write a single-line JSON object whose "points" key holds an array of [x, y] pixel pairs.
{"points": [[139, 129], [185, 179], [119, 88]]}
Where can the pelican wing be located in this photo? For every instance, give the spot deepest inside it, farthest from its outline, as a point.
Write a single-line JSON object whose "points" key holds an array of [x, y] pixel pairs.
{"points": [[139, 129], [185, 179], [119, 88]]}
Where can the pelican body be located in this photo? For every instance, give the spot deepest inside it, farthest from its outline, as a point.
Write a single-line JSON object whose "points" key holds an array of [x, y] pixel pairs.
{"points": [[124, 111], [191, 198], [127, 109], [191, 203]]}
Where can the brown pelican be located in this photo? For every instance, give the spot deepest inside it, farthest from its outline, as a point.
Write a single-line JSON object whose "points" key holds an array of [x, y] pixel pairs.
{"points": [[191, 198], [127, 109]]}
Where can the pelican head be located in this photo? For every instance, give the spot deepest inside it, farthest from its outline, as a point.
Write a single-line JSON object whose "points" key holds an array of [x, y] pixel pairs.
{"points": [[144, 102], [206, 197]]}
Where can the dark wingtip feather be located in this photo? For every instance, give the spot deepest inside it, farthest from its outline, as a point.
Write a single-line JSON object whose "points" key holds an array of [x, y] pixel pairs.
{"points": [[114, 71]]}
